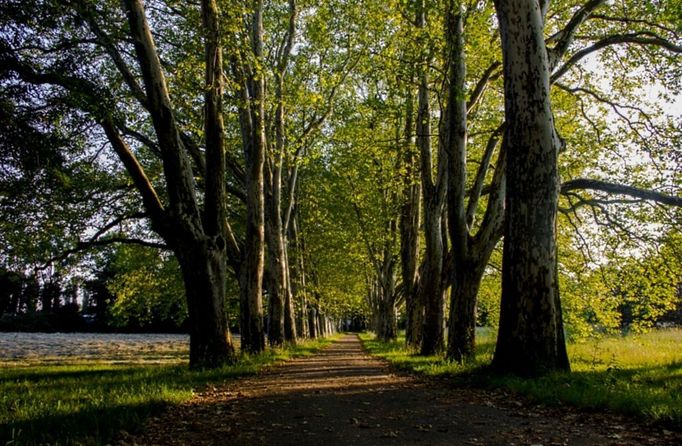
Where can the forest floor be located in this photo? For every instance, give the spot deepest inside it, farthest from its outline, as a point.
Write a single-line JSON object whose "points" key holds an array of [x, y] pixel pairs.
{"points": [[344, 396]]}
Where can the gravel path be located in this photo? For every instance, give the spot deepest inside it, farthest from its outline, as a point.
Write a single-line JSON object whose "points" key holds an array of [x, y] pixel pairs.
{"points": [[342, 396]]}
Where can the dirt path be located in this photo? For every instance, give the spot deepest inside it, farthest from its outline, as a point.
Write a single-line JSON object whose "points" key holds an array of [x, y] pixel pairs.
{"points": [[342, 396]]}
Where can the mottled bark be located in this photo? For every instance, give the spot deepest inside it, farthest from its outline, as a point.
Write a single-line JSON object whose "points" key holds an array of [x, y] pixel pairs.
{"points": [[386, 327], [530, 339], [251, 272], [410, 217], [201, 244], [276, 278], [468, 271], [203, 271], [430, 281]]}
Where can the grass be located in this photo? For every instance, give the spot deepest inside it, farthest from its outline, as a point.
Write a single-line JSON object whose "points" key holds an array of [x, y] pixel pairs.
{"points": [[90, 402], [638, 375]]}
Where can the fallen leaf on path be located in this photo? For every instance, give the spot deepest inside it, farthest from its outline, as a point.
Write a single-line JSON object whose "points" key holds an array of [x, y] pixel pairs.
{"points": [[390, 434]]}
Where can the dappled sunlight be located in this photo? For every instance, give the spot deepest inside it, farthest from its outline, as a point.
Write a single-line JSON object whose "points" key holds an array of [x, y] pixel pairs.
{"points": [[343, 396], [341, 366]]}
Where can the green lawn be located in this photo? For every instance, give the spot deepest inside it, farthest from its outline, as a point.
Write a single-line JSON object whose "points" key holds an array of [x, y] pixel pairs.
{"points": [[638, 375], [90, 402]]}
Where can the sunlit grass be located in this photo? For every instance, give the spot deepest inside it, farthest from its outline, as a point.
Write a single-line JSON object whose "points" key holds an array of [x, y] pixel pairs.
{"points": [[409, 360], [659, 347], [639, 375], [90, 402]]}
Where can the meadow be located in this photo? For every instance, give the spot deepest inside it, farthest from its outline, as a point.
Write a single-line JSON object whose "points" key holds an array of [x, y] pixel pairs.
{"points": [[91, 401], [636, 374]]}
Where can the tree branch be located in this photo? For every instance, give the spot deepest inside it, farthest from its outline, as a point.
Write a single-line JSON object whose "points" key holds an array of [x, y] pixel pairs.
{"points": [[144, 139], [564, 37], [110, 47], [477, 188], [149, 196], [116, 221], [628, 20], [643, 38], [620, 189], [317, 122], [489, 74]]}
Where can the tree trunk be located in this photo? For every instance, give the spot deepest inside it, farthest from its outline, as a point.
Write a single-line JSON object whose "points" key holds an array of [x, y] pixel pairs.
{"points": [[410, 217], [290, 330], [386, 327], [530, 339], [414, 309], [319, 322], [251, 311], [462, 326], [301, 318], [282, 323], [312, 321], [430, 288], [386, 324], [200, 244], [203, 271], [251, 271], [276, 274], [469, 271], [463, 279], [298, 277], [430, 283]]}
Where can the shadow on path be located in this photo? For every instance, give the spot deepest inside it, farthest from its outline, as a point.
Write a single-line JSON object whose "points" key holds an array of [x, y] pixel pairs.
{"points": [[342, 396]]}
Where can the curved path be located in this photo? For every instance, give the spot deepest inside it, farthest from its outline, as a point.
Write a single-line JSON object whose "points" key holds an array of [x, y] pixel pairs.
{"points": [[342, 396]]}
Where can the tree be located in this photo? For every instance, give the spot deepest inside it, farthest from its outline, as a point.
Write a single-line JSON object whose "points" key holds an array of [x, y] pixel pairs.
{"points": [[530, 338], [410, 219], [199, 237], [470, 252], [430, 288]]}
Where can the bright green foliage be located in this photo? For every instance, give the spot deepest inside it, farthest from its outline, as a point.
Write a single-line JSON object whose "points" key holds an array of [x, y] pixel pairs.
{"points": [[629, 293], [147, 288], [336, 279], [488, 309], [590, 306], [649, 288]]}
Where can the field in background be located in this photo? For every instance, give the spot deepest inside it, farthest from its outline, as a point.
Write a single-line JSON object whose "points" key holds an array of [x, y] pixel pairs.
{"points": [[115, 348], [638, 375], [66, 399]]}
